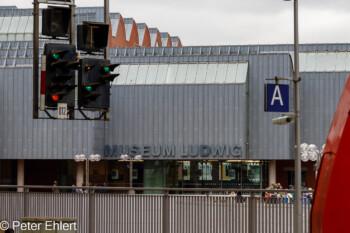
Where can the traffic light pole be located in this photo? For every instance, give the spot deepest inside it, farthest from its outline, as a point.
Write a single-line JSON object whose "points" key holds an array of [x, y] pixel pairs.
{"points": [[72, 28], [72, 42], [106, 21], [36, 61], [36, 49]]}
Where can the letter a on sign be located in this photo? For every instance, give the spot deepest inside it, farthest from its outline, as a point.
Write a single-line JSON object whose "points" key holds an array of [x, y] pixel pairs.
{"points": [[276, 98]]}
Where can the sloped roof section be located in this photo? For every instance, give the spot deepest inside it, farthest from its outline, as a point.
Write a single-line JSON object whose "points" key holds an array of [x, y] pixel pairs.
{"points": [[144, 36], [156, 40], [17, 25], [166, 40], [114, 21], [175, 41], [141, 28], [180, 74]]}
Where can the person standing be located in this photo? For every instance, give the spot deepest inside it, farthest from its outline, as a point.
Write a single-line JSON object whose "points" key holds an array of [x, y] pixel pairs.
{"points": [[54, 188]]}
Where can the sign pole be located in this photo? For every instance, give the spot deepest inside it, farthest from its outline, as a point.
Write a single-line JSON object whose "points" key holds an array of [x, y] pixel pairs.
{"points": [[297, 204]]}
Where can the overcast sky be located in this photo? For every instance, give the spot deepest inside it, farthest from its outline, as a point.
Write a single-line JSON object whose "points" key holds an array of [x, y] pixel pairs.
{"points": [[232, 22]]}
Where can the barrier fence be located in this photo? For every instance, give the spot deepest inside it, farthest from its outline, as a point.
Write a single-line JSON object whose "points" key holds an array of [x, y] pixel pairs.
{"points": [[175, 211]]}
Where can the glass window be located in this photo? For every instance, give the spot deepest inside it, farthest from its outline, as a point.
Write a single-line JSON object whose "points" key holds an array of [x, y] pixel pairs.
{"points": [[291, 178], [40, 25], [153, 175], [161, 74], [191, 73], [302, 61], [181, 74], [347, 61], [14, 24], [231, 73], [242, 71], [114, 26], [132, 74], [321, 62], [221, 73], [5, 25], [118, 174], [19, 37], [171, 76], [331, 61], [3, 37], [186, 170], [142, 74], [211, 73], [311, 62], [207, 169], [1, 19], [22, 24], [251, 174], [151, 74], [201, 73], [141, 33], [230, 174], [29, 26], [171, 174], [11, 37], [340, 63], [28, 37], [123, 71]]}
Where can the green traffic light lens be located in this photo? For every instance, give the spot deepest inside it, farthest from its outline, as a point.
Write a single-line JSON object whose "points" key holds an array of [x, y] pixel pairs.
{"points": [[55, 56], [88, 88], [106, 69]]}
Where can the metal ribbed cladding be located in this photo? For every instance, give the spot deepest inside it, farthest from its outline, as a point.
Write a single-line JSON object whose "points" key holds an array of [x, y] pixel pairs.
{"points": [[21, 137]]}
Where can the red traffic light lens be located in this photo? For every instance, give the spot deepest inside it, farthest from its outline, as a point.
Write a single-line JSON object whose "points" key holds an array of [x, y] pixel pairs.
{"points": [[55, 97]]}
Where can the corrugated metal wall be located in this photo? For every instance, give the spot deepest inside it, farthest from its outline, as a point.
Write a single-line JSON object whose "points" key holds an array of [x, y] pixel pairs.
{"points": [[266, 140], [177, 115], [21, 137], [320, 93]]}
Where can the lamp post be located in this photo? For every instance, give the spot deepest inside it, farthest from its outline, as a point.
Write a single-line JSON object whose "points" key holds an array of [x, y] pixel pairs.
{"points": [[82, 158], [297, 160], [310, 152], [126, 157]]}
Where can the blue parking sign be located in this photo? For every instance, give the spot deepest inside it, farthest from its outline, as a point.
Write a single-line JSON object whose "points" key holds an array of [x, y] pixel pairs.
{"points": [[276, 98]]}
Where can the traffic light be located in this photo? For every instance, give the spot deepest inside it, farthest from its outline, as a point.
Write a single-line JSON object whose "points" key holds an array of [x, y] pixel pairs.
{"points": [[92, 37], [61, 64], [94, 83], [56, 21]]}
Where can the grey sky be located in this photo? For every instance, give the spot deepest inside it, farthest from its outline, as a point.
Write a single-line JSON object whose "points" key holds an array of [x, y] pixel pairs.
{"points": [[204, 22]]}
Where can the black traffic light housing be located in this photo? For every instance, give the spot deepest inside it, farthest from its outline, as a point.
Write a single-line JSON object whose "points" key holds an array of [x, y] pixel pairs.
{"points": [[94, 83], [92, 36], [56, 21], [61, 64]]}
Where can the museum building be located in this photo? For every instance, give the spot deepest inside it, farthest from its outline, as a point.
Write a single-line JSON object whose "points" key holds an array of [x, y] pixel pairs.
{"points": [[195, 114]]}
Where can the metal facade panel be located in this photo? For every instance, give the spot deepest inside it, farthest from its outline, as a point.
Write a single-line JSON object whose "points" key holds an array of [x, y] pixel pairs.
{"points": [[320, 93], [267, 141], [21, 137], [177, 115]]}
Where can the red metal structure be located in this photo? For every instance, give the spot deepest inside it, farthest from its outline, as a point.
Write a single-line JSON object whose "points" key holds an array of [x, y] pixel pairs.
{"points": [[331, 207]]}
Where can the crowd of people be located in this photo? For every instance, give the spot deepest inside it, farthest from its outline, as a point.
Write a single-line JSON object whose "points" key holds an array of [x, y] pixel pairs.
{"points": [[287, 196], [81, 190]]}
